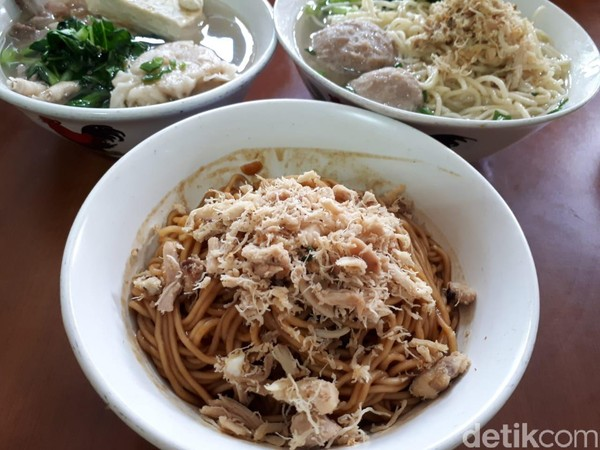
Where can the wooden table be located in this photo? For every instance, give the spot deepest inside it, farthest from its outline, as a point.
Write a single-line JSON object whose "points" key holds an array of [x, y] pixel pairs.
{"points": [[550, 180]]}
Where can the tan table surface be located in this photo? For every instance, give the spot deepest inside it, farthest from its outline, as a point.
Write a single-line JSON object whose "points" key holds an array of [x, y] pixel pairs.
{"points": [[550, 180]]}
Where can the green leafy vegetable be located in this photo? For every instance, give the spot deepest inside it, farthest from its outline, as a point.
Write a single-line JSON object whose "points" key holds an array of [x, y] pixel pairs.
{"points": [[398, 65], [90, 52], [425, 110], [559, 106], [156, 68], [91, 100], [152, 65], [323, 8], [11, 57], [501, 116]]}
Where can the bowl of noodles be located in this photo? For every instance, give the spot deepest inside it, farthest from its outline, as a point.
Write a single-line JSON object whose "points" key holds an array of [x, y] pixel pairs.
{"points": [[477, 76], [107, 74], [246, 277]]}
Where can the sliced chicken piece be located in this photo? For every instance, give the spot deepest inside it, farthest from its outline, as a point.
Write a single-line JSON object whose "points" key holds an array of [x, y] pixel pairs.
{"points": [[288, 363], [429, 384], [232, 417], [460, 293], [166, 301], [311, 432], [307, 394], [170, 265]]}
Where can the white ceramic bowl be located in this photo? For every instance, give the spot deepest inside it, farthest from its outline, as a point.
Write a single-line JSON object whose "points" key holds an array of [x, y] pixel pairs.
{"points": [[472, 139], [178, 164], [132, 125]]}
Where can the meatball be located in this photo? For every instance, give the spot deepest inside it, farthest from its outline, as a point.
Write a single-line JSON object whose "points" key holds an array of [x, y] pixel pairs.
{"points": [[353, 46], [391, 86]]}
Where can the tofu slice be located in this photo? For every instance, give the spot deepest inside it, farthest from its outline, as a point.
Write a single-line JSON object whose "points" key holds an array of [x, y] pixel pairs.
{"points": [[172, 20]]}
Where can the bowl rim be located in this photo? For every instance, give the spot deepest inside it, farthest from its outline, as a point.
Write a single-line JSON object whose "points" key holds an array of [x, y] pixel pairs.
{"points": [[424, 119], [128, 413], [159, 110]]}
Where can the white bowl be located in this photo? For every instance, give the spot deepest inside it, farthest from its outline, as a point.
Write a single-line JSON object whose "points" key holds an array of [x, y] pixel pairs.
{"points": [[472, 139], [178, 164], [132, 125]]}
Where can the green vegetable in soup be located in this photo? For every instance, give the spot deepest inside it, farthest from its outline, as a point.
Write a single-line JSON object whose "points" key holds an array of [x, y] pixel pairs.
{"points": [[156, 68], [559, 106], [323, 8], [501, 116], [90, 52], [11, 57]]}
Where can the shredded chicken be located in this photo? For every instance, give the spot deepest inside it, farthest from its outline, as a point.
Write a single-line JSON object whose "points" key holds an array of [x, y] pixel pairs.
{"points": [[239, 369], [317, 275], [192, 271], [150, 284], [358, 232], [489, 33]]}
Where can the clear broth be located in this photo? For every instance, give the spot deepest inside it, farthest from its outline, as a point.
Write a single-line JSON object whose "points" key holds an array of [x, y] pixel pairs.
{"points": [[222, 31]]}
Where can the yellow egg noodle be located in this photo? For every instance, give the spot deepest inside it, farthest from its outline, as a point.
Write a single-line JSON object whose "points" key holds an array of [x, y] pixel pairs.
{"points": [[476, 59]]}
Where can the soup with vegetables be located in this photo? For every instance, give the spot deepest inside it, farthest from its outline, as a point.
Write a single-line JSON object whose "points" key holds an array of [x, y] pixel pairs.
{"points": [[123, 53]]}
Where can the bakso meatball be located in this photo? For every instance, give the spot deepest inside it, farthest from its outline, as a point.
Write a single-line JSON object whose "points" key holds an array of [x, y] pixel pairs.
{"points": [[391, 86], [353, 46]]}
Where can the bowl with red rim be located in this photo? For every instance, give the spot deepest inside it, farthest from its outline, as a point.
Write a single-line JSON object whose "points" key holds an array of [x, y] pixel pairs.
{"points": [[113, 131]]}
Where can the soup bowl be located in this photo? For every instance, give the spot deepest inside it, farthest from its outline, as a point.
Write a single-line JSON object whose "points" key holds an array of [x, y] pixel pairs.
{"points": [[472, 139], [113, 131], [110, 241]]}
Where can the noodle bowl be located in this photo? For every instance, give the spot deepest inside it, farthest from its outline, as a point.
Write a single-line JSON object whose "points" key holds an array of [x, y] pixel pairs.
{"points": [[116, 132], [472, 139], [298, 312], [474, 60], [109, 238]]}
